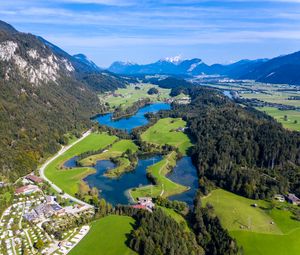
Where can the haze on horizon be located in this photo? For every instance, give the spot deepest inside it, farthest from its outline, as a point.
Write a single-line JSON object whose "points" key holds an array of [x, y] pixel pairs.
{"points": [[221, 31]]}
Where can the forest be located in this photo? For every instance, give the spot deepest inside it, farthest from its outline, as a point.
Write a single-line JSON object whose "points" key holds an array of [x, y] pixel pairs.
{"points": [[239, 148]]}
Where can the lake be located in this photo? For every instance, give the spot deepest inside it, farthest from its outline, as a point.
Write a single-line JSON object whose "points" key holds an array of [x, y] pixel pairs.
{"points": [[114, 190], [134, 121], [185, 173]]}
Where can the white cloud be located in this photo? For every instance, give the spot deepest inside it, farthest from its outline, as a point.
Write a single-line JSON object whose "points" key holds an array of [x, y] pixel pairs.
{"points": [[103, 2]]}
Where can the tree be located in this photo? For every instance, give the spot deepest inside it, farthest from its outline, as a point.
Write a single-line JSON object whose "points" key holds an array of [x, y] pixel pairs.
{"points": [[153, 91], [39, 244]]}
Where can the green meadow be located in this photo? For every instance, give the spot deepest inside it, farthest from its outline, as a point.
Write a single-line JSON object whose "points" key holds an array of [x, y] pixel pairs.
{"points": [[274, 97], [107, 236], [69, 179], [165, 132], [163, 186], [116, 150], [260, 230], [279, 115], [126, 97]]}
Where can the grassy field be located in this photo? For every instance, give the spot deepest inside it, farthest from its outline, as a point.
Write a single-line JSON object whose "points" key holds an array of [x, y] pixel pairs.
{"points": [[164, 132], [251, 226], [69, 179], [116, 150], [107, 236], [124, 165], [292, 116], [274, 97], [164, 187], [127, 96]]}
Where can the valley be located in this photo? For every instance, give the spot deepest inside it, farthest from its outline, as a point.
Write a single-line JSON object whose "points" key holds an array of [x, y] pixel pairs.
{"points": [[281, 101], [149, 127]]}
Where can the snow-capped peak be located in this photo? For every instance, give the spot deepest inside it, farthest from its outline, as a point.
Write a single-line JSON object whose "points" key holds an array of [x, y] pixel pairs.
{"points": [[175, 60]]}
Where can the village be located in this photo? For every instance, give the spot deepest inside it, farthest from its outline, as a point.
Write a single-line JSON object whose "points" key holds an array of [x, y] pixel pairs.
{"points": [[41, 223], [22, 225], [34, 222]]}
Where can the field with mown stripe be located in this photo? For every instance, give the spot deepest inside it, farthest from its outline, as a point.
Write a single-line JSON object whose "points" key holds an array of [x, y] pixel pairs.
{"points": [[264, 229]]}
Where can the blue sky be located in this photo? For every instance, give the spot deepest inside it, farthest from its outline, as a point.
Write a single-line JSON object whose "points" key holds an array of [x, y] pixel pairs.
{"points": [[143, 31]]}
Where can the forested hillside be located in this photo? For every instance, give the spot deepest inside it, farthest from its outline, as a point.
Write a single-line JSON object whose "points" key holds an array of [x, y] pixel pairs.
{"points": [[240, 149], [42, 98]]}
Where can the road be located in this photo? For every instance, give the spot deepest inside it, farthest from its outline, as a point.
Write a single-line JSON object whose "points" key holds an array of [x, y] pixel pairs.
{"points": [[63, 150]]}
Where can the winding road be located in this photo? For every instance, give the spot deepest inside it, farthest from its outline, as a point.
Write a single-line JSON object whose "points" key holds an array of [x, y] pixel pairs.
{"points": [[59, 153]]}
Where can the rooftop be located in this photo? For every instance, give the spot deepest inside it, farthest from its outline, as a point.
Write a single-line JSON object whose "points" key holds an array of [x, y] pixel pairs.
{"points": [[34, 178]]}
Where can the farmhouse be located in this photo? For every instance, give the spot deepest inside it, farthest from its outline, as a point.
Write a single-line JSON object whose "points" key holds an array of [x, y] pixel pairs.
{"points": [[26, 190], [137, 206], [34, 179], [279, 198], [293, 199]]}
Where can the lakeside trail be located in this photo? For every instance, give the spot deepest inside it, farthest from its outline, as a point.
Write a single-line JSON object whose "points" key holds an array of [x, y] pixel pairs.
{"points": [[59, 153]]}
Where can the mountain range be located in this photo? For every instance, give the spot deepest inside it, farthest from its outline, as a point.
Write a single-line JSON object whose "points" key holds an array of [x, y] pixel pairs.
{"points": [[45, 93], [282, 69]]}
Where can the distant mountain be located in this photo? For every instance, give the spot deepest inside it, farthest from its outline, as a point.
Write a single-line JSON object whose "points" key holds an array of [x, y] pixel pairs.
{"points": [[85, 60], [190, 67], [45, 93], [282, 69]]}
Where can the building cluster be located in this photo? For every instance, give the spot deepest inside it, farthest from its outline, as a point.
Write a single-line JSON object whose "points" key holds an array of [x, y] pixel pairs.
{"points": [[144, 203], [291, 198], [45, 210]]}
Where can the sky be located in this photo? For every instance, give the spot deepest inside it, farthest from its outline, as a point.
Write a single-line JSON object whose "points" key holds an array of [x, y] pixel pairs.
{"points": [[144, 31]]}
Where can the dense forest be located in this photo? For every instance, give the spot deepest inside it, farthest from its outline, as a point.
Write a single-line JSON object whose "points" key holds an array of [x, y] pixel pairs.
{"points": [[239, 149], [156, 233]]}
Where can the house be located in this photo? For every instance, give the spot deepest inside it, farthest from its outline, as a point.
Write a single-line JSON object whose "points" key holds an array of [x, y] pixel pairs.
{"points": [[26, 190], [137, 206], [146, 202], [34, 179], [50, 199], [279, 198], [293, 199]]}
